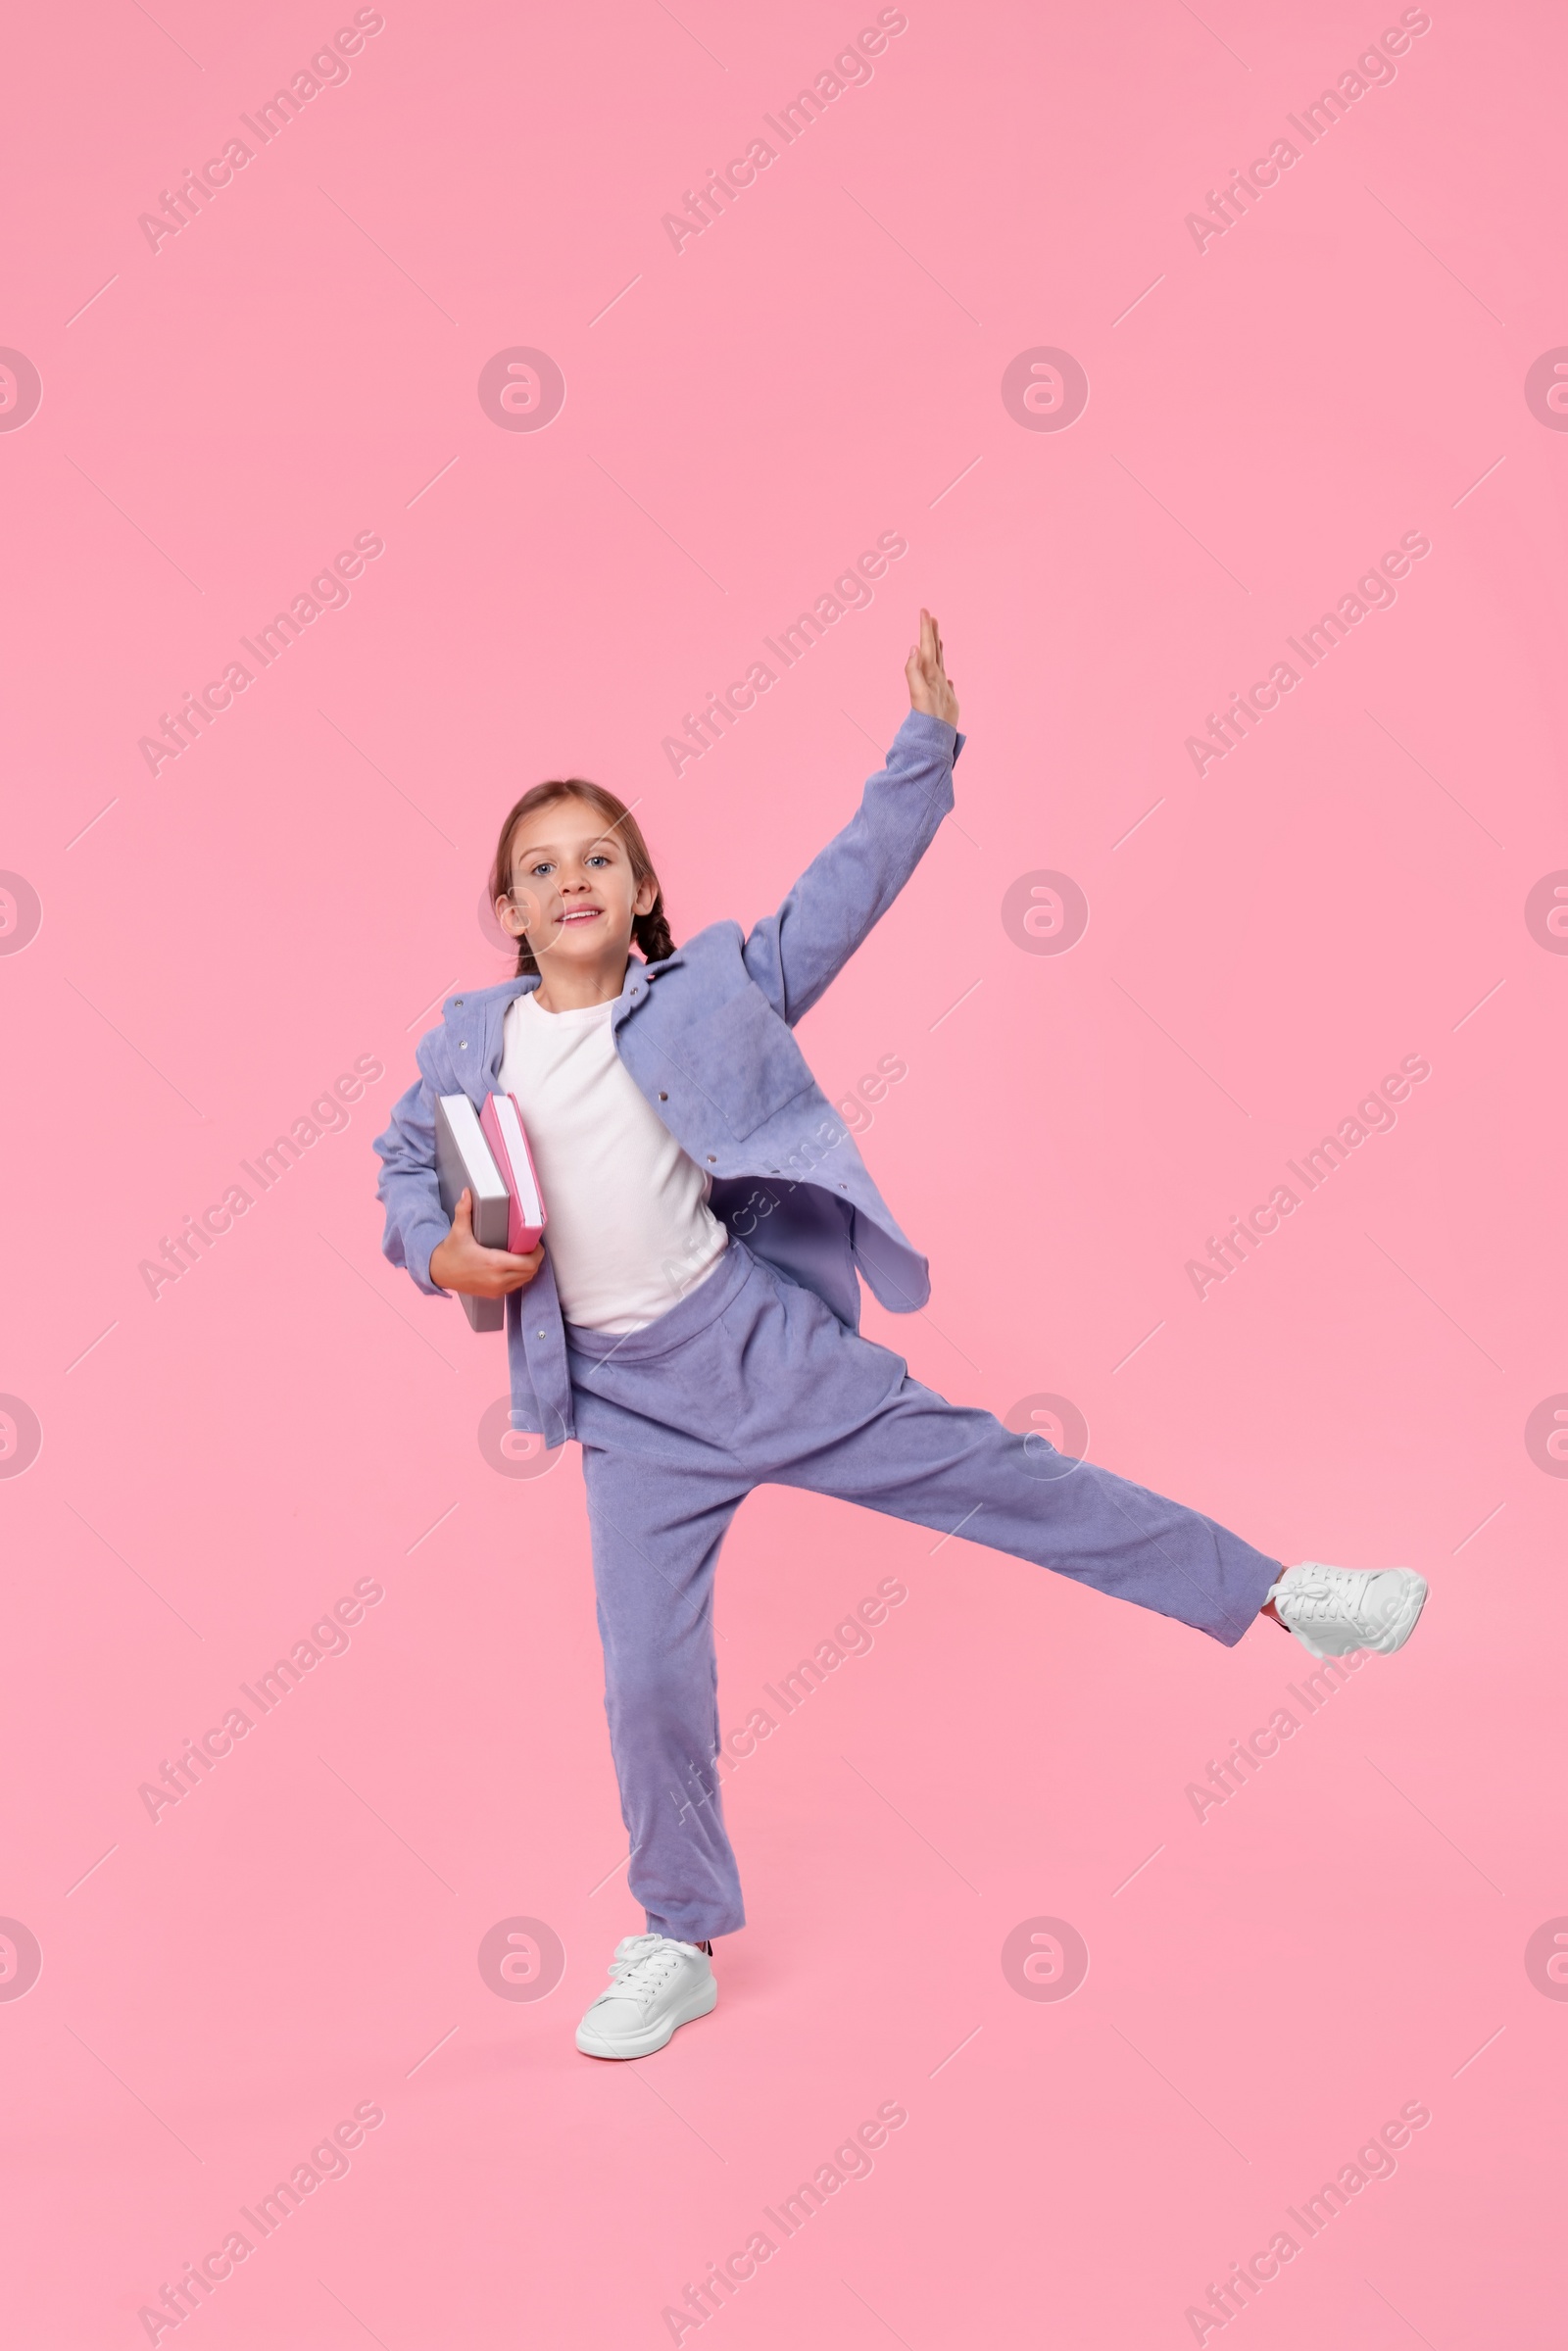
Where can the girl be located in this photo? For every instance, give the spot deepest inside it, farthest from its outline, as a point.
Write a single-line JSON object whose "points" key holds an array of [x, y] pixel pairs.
{"points": [[692, 1318]]}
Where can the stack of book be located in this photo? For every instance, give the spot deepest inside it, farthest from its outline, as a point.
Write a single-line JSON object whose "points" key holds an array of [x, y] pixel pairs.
{"points": [[485, 1154]]}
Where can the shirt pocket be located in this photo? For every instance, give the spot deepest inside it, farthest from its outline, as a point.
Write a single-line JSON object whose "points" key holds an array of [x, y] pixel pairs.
{"points": [[746, 1064]]}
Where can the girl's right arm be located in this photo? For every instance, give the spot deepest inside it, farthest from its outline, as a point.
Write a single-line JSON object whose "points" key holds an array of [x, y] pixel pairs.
{"points": [[461, 1262], [439, 1254]]}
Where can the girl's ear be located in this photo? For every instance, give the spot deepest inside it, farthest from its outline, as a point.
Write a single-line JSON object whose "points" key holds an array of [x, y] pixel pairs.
{"points": [[647, 893]]}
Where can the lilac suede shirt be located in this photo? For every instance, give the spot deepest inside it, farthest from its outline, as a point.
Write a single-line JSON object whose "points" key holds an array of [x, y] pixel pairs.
{"points": [[706, 1034]]}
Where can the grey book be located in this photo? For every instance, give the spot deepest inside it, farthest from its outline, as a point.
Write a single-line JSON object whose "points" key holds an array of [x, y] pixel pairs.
{"points": [[463, 1161]]}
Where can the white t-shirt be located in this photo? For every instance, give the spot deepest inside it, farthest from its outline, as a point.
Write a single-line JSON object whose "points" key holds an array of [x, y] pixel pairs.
{"points": [[628, 1228]]}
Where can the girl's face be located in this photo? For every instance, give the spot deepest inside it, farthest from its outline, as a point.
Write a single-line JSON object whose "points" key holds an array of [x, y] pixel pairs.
{"points": [[574, 895]]}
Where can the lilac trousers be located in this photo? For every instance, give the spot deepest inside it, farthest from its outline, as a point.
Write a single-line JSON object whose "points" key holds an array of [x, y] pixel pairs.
{"points": [[753, 1381]]}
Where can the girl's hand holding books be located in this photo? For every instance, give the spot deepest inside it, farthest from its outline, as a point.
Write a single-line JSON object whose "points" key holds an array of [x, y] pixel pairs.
{"points": [[930, 687], [462, 1263]]}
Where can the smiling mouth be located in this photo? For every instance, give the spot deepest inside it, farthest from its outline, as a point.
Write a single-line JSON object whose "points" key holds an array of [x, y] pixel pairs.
{"points": [[582, 914]]}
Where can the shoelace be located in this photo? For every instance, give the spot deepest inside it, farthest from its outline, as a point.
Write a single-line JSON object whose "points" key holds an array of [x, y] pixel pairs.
{"points": [[1330, 1592], [642, 1964]]}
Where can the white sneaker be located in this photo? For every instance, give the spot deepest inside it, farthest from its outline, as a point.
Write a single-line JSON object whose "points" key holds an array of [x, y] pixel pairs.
{"points": [[1333, 1610], [655, 1985]]}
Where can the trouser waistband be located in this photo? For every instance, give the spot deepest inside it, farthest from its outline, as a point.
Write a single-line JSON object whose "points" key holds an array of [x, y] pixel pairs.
{"points": [[694, 1312]]}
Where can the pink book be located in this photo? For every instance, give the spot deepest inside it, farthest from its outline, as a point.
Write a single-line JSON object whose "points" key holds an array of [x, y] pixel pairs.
{"points": [[502, 1124]]}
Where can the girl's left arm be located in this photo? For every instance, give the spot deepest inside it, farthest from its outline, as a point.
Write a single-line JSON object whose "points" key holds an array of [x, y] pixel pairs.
{"points": [[795, 953]]}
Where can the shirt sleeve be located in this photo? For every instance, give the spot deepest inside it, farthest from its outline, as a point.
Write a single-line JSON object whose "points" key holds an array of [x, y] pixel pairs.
{"points": [[408, 1189], [795, 953]]}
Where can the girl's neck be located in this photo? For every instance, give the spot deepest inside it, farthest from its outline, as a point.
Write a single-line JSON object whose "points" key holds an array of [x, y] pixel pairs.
{"points": [[567, 991]]}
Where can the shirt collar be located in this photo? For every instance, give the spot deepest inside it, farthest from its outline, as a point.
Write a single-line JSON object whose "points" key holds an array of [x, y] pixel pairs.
{"points": [[639, 976]]}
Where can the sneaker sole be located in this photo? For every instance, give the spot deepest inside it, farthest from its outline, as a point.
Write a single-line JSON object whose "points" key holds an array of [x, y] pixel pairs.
{"points": [[1394, 1637], [698, 2003]]}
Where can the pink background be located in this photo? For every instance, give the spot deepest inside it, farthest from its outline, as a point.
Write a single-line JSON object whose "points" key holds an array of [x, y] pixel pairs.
{"points": [[220, 941]]}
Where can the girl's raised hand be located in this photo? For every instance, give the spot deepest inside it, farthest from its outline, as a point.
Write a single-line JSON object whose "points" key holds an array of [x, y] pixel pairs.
{"points": [[459, 1262], [930, 687]]}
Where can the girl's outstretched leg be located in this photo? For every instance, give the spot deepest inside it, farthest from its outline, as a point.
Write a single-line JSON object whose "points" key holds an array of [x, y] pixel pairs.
{"points": [[958, 1471], [860, 1428]]}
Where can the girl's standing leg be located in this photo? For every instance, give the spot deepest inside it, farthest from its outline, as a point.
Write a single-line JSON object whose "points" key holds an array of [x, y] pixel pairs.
{"points": [[657, 1531]]}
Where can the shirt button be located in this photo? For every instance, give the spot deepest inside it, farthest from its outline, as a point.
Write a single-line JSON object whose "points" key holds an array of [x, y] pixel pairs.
{"points": [[457, 1002], [463, 1045], [711, 1161], [662, 1096], [541, 1334]]}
